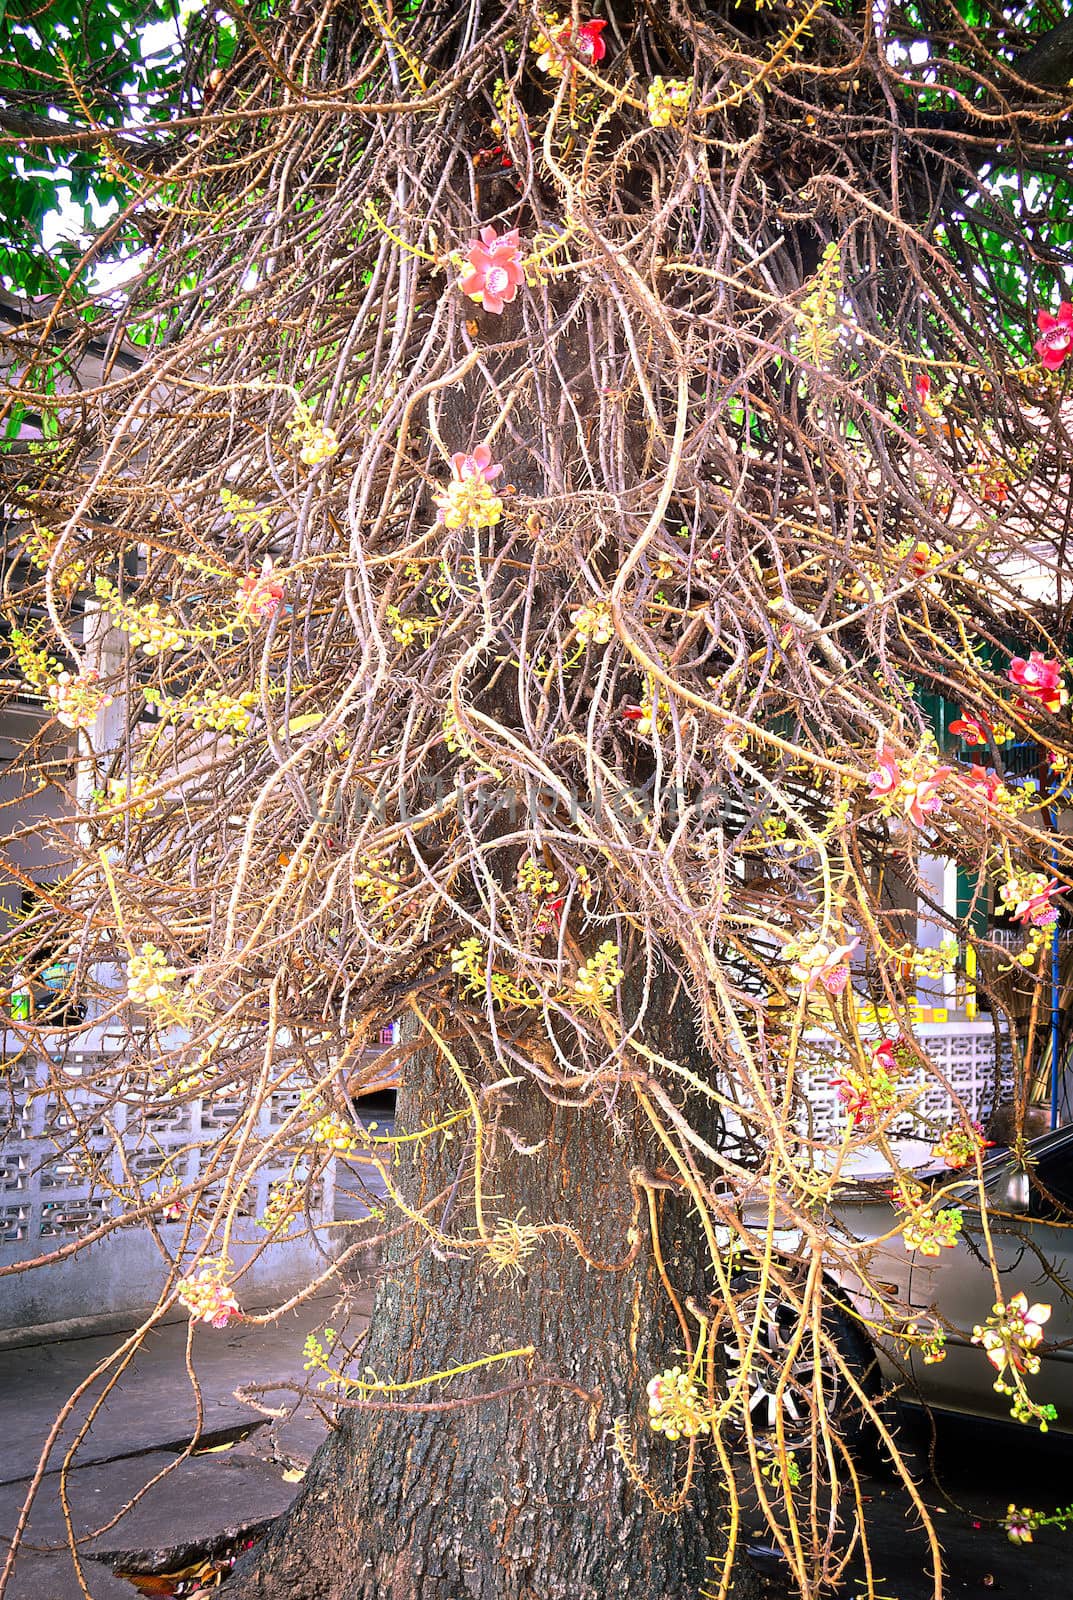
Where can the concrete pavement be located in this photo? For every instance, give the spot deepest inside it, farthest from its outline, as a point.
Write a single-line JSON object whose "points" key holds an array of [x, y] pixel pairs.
{"points": [[133, 1503]]}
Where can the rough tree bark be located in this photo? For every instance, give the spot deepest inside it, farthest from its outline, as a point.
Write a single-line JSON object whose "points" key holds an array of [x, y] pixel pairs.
{"points": [[522, 1497]]}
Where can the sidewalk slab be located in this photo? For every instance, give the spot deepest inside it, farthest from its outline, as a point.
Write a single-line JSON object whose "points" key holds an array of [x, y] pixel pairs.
{"points": [[53, 1578], [199, 1503], [153, 1406], [145, 1421]]}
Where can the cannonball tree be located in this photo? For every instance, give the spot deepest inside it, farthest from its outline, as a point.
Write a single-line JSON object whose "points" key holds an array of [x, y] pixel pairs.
{"points": [[565, 460]]}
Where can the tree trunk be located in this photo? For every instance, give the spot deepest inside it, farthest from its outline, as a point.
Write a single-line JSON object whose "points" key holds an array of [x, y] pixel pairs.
{"points": [[524, 1496]]}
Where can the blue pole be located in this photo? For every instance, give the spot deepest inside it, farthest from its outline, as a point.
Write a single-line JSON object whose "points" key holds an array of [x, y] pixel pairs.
{"points": [[1056, 973], [1055, 1021]]}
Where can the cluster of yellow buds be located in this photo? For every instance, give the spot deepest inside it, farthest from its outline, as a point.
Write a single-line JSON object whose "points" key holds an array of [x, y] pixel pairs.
{"points": [[378, 884], [119, 794], [315, 440], [1010, 1335], [207, 1297], [469, 961], [38, 668], [409, 631], [469, 502], [248, 516], [282, 1203], [536, 880], [599, 977], [675, 1408], [149, 626], [930, 1344], [453, 737], [931, 1232], [223, 713], [928, 961], [668, 100], [508, 119], [149, 977], [331, 1130], [593, 622], [39, 544]]}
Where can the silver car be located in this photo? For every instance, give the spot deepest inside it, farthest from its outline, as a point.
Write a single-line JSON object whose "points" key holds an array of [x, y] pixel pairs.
{"points": [[1029, 1215]]}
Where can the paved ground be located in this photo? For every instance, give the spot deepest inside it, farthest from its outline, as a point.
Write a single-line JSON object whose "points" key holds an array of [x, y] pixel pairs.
{"points": [[968, 1473], [130, 1450], [147, 1419]]}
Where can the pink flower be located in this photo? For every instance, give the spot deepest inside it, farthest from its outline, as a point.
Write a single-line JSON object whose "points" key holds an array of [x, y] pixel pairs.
{"points": [[1029, 899], [1019, 1524], [549, 917], [921, 797], [208, 1299], [883, 1056], [1056, 339], [478, 465], [495, 270], [1032, 1317], [973, 730], [258, 595], [835, 979], [824, 964], [885, 778], [1039, 678]]}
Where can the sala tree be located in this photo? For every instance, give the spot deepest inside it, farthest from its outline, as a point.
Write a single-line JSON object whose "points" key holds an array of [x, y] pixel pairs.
{"points": [[570, 457]]}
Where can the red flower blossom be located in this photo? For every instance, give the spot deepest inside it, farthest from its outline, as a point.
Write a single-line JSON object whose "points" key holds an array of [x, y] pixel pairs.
{"points": [[986, 779], [1038, 678], [973, 730], [856, 1099], [919, 559], [922, 388], [495, 270], [590, 47], [587, 46], [1056, 339]]}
